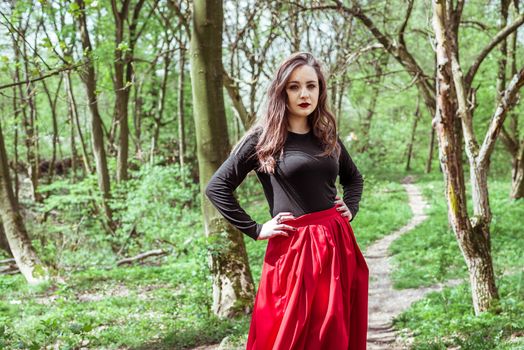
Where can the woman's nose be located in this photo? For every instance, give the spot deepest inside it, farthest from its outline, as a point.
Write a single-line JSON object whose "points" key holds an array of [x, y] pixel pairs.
{"points": [[303, 92]]}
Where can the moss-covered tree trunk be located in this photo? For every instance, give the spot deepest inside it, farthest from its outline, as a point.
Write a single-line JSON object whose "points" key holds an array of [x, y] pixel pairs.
{"points": [[25, 256], [472, 235], [233, 289]]}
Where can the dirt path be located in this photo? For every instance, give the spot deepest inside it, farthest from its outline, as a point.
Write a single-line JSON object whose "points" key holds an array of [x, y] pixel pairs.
{"points": [[385, 302]]}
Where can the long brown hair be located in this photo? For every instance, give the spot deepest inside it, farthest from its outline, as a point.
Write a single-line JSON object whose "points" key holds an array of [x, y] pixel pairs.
{"points": [[272, 127]]}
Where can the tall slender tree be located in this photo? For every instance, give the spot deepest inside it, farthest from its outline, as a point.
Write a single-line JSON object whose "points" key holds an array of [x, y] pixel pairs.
{"points": [[233, 289], [509, 136], [124, 71], [89, 79]]}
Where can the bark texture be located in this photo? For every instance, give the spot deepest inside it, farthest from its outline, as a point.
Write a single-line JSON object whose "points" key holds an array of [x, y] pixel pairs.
{"points": [[89, 79], [233, 289], [472, 234], [19, 243]]}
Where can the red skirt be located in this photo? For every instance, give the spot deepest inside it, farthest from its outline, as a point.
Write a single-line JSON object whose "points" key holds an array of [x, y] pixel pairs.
{"points": [[313, 292]]}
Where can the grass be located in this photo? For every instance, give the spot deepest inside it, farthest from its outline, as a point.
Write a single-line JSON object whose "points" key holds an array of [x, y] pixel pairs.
{"points": [[446, 319]]}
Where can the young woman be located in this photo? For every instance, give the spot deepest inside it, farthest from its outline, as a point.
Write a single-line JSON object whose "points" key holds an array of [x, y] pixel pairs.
{"points": [[313, 292]]}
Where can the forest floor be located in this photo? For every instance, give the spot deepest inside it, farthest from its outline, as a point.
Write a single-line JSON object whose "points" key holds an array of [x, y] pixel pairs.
{"points": [[385, 302]]}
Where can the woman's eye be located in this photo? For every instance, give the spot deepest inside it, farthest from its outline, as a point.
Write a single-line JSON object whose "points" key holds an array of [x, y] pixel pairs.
{"points": [[293, 87], [311, 86]]}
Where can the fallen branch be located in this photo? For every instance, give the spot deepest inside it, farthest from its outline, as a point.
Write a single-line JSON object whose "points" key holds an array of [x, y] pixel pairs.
{"points": [[10, 267], [7, 261], [141, 256]]}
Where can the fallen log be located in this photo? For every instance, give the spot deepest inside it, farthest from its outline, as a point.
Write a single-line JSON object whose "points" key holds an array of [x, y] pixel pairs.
{"points": [[141, 256]]}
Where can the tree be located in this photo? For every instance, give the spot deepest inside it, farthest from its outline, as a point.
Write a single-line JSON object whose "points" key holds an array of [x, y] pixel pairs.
{"points": [[124, 72], [25, 256], [510, 136], [4, 244], [89, 78], [233, 289], [453, 117]]}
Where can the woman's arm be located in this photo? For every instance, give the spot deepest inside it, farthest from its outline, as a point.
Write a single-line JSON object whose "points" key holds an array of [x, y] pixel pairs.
{"points": [[350, 179], [227, 178]]}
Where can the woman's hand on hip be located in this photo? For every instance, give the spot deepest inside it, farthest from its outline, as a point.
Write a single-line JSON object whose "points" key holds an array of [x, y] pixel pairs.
{"points": [[342, 208], [276, 227]]}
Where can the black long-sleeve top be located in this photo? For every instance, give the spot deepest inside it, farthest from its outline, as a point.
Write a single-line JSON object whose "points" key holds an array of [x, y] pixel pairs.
{"points": [[302, 183]]}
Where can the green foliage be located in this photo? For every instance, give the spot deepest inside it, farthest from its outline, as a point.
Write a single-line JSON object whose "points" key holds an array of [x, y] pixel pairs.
{"points": [[158, 205], [69, 219]]}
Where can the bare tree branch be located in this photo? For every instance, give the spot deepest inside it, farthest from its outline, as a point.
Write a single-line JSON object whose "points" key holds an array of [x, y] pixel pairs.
{"points": [[494, 42], [506, 102], [45, 76]]}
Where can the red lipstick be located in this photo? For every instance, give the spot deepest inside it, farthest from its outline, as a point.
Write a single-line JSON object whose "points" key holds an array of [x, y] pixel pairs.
{"points": [[304, 105]]}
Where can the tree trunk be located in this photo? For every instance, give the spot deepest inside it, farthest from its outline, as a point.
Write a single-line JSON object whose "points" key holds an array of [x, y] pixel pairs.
{"points": [[511, 139], [412, 138], [517, 176], [121, 89], [161, 102], [340, 97], [123, 76], [431, 148], [26, 93], [4, 244], [379, 63], [233, 289], [473, 236], [26, 259], [89, 79], [54, 118], [75, 121], [181, 131], [137, 118], [15, 145]]}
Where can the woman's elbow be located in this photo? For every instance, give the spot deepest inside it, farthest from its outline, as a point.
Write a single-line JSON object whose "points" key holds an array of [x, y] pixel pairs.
{"points": [[209, 189]]}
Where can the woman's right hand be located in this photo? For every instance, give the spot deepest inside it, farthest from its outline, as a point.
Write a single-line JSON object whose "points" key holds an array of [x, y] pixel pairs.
{"points": [[276, 227]]}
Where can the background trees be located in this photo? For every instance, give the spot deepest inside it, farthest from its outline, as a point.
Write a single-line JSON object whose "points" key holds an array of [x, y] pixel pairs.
{"points": [[109, 135]]}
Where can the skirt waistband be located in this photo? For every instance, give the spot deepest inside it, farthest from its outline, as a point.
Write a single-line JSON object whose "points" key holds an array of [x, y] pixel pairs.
{"points": [[313, 217]]}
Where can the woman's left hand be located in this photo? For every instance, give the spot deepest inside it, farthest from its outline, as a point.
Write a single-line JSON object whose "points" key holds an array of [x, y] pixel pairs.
{"points": [[342, 207]]}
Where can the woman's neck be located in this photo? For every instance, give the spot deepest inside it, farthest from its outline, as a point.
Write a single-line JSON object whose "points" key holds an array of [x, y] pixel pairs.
{"points": [[298, 125]]}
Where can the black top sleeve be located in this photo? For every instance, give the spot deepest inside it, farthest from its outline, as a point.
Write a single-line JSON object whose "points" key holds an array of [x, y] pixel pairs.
{"points": [[350, 179], [227, 178]]}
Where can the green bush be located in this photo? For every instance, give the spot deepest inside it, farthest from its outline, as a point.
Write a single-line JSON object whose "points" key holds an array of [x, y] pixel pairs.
{"points": [[158, 206]]}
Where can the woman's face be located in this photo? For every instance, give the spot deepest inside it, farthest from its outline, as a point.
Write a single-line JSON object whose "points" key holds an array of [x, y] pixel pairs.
{"points": [[302, 92]]}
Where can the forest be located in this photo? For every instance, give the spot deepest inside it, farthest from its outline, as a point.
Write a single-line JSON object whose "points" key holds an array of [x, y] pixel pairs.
{"points": [[114, 115]]}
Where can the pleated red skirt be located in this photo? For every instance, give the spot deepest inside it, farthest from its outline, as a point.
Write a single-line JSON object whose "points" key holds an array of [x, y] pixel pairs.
{"points": [[313, 292]]}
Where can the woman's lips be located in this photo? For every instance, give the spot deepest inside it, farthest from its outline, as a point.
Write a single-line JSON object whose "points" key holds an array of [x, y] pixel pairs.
{"points": [[304, 105]]}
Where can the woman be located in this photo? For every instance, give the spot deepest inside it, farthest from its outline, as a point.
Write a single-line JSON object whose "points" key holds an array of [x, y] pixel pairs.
{"points": [[313, 291]]}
